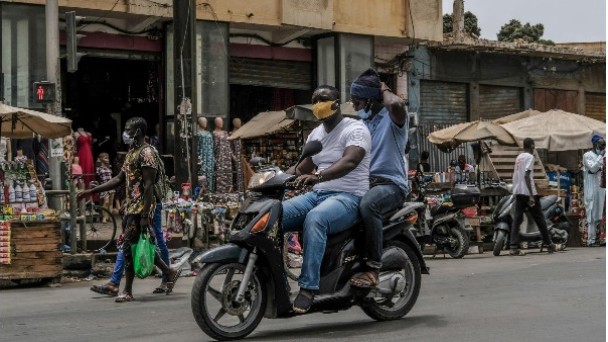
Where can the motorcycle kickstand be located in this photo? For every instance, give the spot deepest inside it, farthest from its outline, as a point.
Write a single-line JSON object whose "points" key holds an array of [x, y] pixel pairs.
{"points": [[240, 295]]}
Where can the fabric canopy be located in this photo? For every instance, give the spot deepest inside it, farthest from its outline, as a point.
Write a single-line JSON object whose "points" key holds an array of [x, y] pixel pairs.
{"points": [[23, 123], [557, 130], [449, 138], [517, 116], [265, 123]]}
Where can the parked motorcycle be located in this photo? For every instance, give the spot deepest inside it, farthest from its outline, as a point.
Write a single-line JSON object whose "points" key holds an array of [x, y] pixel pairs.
{"points": [[444, 225], [245, 279], [557, 223]]}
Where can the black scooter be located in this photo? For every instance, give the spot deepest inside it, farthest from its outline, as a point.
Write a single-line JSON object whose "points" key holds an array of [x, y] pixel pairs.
{"points": [[245, 280], [557, 223]]}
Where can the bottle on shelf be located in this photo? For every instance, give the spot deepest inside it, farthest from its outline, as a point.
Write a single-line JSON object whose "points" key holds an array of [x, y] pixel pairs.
{"points": [[11, 193]]}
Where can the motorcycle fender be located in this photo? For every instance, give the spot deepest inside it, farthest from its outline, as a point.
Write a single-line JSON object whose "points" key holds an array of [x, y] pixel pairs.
{"points": [[401, 231], [502, 226], [393, 259], [225, 254]]}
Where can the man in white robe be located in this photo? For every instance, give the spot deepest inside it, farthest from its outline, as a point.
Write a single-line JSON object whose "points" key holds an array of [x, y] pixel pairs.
{"points": [[594, 194]]}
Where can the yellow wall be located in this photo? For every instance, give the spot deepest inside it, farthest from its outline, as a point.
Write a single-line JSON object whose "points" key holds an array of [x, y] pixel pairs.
{"points": [[389, 18]]}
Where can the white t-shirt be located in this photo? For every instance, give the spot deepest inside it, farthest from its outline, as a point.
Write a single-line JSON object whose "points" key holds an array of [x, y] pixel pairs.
{"points": [[524, 162], [348, 132]]}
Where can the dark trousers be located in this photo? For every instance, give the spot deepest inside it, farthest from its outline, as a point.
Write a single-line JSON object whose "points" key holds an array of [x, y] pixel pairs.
{"points": [[521, 203], [378, 201]]}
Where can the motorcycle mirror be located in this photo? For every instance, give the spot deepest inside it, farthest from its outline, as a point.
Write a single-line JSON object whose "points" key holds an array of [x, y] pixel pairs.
{"points": [[256, 161], [310, 149]]}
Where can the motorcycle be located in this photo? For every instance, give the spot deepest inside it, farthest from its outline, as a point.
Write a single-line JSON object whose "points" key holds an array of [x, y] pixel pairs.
{"points": [[557, 223], [444, 225], [245, 280]]}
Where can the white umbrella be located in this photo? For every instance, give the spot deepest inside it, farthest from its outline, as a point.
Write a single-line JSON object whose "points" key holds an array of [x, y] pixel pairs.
{"points": [[449, 138], [18, 122], [557, 130]]}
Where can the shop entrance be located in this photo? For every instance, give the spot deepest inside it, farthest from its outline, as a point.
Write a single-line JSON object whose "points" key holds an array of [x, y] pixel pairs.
{"points": [[105, 92]]}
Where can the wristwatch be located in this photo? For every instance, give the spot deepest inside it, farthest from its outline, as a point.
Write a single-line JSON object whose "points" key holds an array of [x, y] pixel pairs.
{"points": [[319, 177]]}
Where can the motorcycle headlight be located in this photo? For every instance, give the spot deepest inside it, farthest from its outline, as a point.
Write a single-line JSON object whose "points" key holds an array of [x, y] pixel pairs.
{"points": [[260, 178]]}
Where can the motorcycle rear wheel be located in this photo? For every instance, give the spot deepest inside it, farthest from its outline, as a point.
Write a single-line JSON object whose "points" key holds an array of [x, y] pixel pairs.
{"points": [[499, 244], [206, 298], [406, 300], [462, 247]]}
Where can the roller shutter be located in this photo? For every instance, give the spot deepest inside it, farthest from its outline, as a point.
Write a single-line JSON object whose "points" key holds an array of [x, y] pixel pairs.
{"points": [[595, 106], [496, 102], [270, 73], [547, 99], [443, 103]]}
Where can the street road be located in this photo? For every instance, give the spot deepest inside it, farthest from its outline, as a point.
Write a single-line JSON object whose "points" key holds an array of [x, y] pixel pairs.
{"points": [[537, 297]]}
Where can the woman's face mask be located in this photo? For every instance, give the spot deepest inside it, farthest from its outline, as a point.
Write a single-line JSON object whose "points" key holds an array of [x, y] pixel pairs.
{"points": [[324, 109], [127, 139]]}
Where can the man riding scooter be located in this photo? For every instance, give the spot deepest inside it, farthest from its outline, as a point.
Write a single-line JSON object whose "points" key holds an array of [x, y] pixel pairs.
{"points": [[341, 179]]}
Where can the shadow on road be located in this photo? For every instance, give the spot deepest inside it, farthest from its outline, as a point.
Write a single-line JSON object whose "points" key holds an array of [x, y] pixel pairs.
{"points": [[349, 329]]}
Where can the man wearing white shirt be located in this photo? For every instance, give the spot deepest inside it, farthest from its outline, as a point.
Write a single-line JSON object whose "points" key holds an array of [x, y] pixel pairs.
{"points": [[525, 194]]}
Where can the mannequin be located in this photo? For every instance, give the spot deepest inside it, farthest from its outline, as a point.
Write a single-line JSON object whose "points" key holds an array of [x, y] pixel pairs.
{"points": [[104, 174], [223, 158], [85, 154], [76, 171], [20, 158], [205, 154], [4, 147], [237, 148]]}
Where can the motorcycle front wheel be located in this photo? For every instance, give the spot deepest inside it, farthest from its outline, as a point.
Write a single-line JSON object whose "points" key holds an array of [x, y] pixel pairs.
{"points": [[401, 303], [500, 243], [214, 304]]}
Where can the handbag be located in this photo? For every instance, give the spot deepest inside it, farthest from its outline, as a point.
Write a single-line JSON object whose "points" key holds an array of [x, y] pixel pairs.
{"points": [[143, 256]]}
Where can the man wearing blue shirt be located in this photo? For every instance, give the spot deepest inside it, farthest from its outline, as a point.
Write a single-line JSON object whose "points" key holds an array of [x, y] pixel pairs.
{"points": [[385, 115]]}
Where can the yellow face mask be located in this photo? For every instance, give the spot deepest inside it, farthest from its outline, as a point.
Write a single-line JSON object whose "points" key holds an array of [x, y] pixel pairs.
{"points": [[323, 110]]}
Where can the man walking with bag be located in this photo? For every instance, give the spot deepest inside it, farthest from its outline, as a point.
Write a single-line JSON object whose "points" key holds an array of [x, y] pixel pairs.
{"points": [[139, 173]]}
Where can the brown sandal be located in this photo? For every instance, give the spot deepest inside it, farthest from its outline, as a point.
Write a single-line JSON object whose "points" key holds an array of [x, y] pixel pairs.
{"points": [[124, 297], [368, 279]]}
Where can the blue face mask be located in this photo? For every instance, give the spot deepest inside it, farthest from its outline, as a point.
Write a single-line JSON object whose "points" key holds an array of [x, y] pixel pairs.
{"points": [[363, 114]]}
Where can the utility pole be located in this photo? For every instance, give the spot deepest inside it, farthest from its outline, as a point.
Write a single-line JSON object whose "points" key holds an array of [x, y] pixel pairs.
{"points": [[53, 74], [458, 20], [185, 90]]}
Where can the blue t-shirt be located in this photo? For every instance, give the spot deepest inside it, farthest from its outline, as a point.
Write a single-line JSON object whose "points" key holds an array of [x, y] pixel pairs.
{"points": [[388, 148]]}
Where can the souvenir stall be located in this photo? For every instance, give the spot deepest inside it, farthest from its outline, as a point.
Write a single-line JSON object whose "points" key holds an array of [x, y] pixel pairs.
{"points": [[481, 134], [29, 232]]}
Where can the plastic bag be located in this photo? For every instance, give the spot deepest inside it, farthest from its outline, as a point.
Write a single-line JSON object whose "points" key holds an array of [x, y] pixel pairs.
{"points": [[143, 256]]}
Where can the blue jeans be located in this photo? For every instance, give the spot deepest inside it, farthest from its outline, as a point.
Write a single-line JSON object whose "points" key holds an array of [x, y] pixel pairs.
{"points": [[378, 201], [318, 214], [161, 248]]}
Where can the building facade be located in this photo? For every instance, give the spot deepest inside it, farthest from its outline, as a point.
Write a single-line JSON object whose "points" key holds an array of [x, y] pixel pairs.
{"points": [[251, 56]]}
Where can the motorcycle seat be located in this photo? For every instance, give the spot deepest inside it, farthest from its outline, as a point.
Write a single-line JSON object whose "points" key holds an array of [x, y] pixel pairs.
{"points": [[407, 208], [442, 209], [547, 201], [334, 239]]}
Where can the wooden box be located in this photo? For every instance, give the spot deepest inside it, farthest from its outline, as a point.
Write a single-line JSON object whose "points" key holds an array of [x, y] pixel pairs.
{"points": [[35, 252]]}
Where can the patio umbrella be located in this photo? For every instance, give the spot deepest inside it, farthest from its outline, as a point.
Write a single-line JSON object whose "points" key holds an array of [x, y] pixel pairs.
{"points": [[517, 116], [449, 138], [18, 122], [557, 130]]}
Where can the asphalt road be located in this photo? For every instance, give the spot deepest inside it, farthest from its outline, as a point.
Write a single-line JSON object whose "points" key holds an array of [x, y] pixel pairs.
{"points": [[537, 297]]}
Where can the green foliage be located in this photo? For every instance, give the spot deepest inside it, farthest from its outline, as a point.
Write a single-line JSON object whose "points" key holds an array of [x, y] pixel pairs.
{"points": [[530, 33], [470, 23]]}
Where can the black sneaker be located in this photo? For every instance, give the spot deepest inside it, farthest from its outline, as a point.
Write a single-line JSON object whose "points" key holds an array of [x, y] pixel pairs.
{"points": [[550, 248]]}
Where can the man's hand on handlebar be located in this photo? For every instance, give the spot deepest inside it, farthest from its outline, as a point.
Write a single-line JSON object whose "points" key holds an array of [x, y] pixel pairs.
{"points": [[305, 180]]}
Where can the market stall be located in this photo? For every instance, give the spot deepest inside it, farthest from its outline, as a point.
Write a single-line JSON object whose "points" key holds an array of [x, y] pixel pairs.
{"points": [[29, 232], [569, 135]]}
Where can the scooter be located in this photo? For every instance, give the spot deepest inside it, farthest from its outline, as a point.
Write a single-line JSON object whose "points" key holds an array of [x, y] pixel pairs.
{"points": [[245, 280], [444, 225], [557, 223]]}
